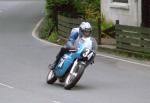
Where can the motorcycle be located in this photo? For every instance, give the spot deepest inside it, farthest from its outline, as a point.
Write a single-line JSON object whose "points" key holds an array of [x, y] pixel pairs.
{"points": [[71, 66]]}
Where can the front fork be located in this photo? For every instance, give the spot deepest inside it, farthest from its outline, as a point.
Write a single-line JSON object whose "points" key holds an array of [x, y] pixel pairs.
{"points": [[73, 68]]}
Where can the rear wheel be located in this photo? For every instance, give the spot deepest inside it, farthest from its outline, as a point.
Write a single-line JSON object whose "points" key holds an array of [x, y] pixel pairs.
{"points": [[74, 76], [51, 77]]}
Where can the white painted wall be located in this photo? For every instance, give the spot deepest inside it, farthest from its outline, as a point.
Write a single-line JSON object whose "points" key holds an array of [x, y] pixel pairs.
{"points": [[127, 13]]}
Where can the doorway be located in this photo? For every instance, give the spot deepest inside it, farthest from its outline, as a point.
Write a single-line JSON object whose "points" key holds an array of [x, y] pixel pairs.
{"points": [[146, 13]]}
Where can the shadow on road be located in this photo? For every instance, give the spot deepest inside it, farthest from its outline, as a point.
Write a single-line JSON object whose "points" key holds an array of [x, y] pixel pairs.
{"points": [[77, 87]]}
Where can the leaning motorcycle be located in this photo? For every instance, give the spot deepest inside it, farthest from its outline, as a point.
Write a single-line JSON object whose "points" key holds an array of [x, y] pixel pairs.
{"points": [[71, 66]]}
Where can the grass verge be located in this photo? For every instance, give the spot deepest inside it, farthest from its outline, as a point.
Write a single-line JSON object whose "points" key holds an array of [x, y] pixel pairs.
{"points": [[125, 53]]}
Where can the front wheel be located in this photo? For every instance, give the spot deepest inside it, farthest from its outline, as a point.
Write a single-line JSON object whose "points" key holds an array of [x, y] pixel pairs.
{"points": [[74, 76], [51, 77]]}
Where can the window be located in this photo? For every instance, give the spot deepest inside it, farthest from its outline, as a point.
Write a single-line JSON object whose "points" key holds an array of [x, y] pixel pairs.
{"points": [[122, 1], [119, 4]]}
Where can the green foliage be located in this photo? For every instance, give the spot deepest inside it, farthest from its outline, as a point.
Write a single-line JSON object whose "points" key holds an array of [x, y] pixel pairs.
{"points": [[91, 9], [53, 38], [44, 29], [87, 9], [72, 7], [105, 24]]}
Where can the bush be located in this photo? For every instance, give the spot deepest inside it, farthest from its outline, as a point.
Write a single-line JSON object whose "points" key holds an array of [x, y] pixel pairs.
{"points": [[74, 8], [92, 9], [87, 9], [71, 7]]}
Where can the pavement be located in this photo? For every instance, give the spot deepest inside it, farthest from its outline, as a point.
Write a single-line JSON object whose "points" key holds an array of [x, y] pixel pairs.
{"points": [[24, 61]]}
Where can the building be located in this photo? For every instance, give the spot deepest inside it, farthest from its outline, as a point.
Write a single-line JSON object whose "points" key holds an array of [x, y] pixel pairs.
{"points": [[128, 12]]}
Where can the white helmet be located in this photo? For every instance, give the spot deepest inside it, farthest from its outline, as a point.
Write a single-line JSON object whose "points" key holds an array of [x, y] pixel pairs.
{"points": [[85, 26]]}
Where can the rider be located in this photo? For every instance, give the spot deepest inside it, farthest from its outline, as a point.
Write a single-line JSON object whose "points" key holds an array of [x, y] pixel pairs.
{"points": [[82, 32]]}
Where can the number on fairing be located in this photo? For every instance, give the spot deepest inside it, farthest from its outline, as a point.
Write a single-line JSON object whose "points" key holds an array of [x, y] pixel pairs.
{"points": [[85, 54], [90, 55], [61, 63]]}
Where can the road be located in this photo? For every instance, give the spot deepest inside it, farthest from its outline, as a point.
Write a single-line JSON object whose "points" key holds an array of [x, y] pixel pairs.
{"points": [[24, 61]]}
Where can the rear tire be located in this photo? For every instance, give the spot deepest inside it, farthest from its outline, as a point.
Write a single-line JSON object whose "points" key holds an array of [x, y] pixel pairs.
{"points": [[51, 77], [74, 77]]}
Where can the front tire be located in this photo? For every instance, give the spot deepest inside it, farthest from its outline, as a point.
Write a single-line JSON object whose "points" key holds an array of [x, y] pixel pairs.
{"points": [[74, 77], [51, 77]]}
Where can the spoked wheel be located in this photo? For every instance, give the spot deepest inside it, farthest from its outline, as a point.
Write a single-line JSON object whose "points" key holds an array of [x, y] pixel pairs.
{"points": [[74, 76], [51, 77]]}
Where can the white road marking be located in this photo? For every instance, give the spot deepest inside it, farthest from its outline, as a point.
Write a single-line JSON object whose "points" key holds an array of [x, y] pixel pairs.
{"points": [[56, 101], [146, 65], [5, 85], [35, 35]]}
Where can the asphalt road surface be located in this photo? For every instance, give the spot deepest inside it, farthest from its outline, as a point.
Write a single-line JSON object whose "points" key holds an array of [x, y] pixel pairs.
{"points": [[24, 61]]}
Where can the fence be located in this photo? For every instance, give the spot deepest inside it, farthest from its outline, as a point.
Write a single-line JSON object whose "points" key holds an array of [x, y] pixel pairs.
{"points": [[133, 38], [65, 24]]}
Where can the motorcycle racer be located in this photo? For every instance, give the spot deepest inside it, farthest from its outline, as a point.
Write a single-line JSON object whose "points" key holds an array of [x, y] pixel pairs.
{"points": [[81, 34]]}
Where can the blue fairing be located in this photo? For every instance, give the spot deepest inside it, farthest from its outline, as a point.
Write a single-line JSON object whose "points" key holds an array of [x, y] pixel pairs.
{"points": [[69, 58]]}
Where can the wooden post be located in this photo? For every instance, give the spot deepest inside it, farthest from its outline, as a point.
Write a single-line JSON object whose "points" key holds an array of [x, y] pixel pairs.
{"points": [[99, 31], [117, 21], [117, 36]]}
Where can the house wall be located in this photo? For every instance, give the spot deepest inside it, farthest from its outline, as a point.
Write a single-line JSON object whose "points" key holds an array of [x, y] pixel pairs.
{"points": [[127, 13]]}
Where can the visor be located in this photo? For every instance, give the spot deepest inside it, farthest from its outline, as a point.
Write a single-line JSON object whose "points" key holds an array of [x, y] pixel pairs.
{"points": [[87, 30]]}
